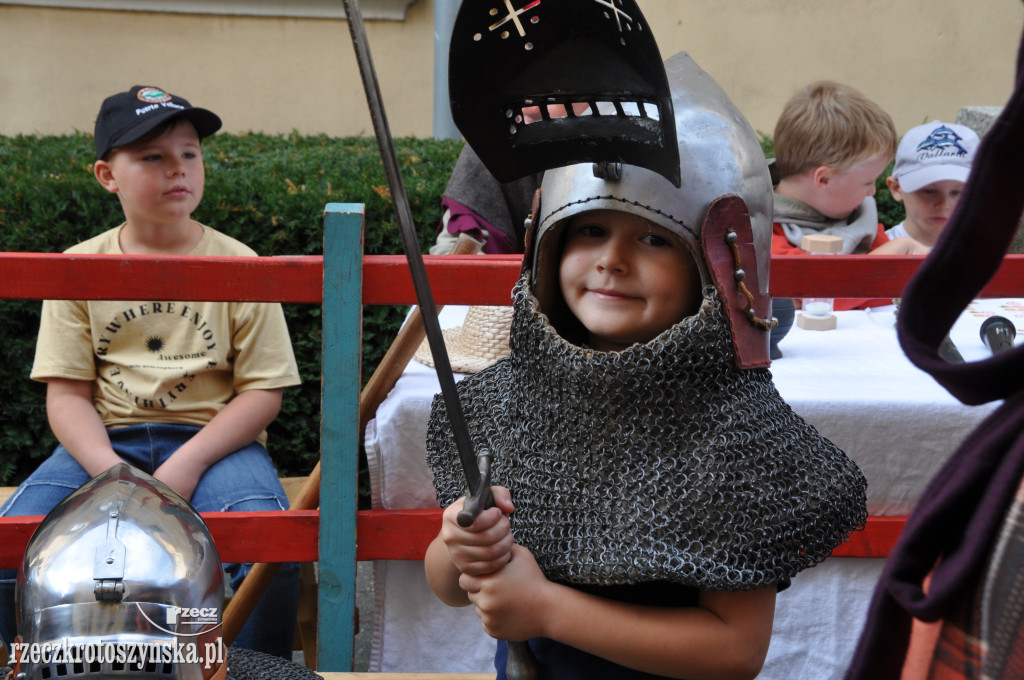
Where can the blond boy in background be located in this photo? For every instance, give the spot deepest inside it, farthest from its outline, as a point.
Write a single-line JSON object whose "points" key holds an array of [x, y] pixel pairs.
{"points": [[831, 144]]}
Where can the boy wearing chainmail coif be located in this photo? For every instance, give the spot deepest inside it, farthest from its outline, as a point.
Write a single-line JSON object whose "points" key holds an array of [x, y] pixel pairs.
{"points": [[653, 491]]}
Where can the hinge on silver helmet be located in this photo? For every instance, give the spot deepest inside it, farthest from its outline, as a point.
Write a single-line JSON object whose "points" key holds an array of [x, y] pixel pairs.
{"points": [[108, 567]]}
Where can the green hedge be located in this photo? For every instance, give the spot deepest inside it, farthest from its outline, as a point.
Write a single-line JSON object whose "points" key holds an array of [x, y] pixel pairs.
{"points": [[267, 191]]}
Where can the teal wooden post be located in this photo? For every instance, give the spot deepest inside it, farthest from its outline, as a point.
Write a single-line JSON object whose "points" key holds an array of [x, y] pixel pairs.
{"points": [[339, 439]]}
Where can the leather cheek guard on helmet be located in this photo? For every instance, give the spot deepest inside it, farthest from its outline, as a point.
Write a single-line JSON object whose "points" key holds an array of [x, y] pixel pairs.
{"points": [[728, 244]]}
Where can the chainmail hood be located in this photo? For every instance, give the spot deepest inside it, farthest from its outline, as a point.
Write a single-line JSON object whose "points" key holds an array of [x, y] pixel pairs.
{"points": [[660, 462], [247, 664]]}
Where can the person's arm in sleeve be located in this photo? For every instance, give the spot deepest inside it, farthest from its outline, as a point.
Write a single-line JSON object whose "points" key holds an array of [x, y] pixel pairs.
{"points": [[264, 364], [77, 425], [725, 636], [238, 424], [781, 245]]}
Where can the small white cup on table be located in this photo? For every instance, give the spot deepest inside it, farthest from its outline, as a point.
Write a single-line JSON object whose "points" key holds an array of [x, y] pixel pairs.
{"points": [[816, 313]]}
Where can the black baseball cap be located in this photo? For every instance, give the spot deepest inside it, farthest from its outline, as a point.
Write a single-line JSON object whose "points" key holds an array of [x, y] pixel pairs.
{"points": [[126, 117]]}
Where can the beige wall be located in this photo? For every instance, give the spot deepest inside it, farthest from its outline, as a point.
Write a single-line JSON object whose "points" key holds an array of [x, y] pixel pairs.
{"points": [[920, 59]]}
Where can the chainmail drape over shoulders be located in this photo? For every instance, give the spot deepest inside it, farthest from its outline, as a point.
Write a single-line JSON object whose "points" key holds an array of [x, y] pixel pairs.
{"points": [[660, 462]]}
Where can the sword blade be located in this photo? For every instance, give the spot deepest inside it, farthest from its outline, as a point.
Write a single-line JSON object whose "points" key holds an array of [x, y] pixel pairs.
{"points": [[521, 663], [410, 242]]}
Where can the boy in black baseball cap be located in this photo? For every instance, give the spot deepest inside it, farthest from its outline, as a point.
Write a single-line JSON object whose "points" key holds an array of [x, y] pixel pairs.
{"points": [[182, 390], [148, 154], [129, 116]]}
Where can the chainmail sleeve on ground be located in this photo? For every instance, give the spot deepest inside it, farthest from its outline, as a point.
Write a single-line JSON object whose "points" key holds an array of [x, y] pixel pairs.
{"points": [[660, 462]]}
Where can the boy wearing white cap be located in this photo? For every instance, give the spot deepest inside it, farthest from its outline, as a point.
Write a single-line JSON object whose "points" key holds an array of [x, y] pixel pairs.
{"points": [[932, 163]]}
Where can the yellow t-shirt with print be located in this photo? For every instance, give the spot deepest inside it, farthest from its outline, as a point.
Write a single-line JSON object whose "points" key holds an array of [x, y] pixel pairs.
{"points": [[165, 362]]}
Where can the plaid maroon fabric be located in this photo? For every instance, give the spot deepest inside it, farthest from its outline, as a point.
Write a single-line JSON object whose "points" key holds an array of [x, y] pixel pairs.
{"points": [[984, 636], [1001, 626], [958, 652]]}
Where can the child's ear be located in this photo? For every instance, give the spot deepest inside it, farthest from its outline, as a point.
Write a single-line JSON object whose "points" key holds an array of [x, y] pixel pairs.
{"points": [[821, 176], [894, 188], [105, 176]]}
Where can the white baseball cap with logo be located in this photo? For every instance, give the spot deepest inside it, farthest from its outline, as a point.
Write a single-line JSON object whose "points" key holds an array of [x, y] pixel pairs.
{"points": [[934, 152]]}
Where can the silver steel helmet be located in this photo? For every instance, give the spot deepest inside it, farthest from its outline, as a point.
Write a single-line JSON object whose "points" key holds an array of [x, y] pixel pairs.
{"points": [[720, 156], [120, 580]]}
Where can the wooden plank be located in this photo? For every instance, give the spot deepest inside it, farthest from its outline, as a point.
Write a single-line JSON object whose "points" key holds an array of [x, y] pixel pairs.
{"points": [[406, 676], [396, 534], [405, 535], [52, 276], [877, 276], [453, 279], [876, 540], [15, 533], [842, 275], [489, 279], [240, 536], [291, 535], [276, 536], [272, 536], [339, 434]]}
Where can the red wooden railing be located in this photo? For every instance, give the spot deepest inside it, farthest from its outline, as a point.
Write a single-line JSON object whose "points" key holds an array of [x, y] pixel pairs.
{"points": [[391, 534], [454, 279]]}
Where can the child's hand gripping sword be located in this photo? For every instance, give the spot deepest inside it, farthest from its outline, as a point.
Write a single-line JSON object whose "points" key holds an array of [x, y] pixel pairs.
{"points": [[521, 664]]}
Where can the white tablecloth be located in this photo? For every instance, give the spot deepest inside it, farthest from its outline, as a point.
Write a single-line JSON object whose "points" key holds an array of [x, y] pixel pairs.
{"points": [[853, 384]]}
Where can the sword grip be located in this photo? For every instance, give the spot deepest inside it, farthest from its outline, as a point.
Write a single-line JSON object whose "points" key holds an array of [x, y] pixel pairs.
{"points": [[521, 663], [480, 499]]}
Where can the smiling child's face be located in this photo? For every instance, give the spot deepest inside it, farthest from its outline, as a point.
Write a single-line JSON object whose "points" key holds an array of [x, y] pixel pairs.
{"points": [[625, 279]]}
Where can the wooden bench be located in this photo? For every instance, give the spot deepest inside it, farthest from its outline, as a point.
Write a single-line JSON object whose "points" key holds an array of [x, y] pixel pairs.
{"points": [[336, 535]]}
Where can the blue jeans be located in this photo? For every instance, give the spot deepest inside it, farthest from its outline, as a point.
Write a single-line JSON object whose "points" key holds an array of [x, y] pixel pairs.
{"points": [[245, 480]]}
